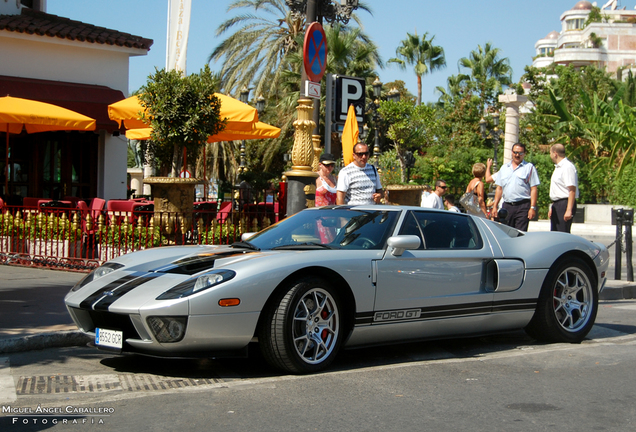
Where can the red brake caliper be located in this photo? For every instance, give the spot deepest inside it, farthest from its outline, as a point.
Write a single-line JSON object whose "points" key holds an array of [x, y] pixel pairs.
{"points": [[325, 333]]}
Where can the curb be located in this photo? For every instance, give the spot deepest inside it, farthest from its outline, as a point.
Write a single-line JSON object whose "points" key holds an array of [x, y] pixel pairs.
{"points": [[43, 340], [626, 292]]}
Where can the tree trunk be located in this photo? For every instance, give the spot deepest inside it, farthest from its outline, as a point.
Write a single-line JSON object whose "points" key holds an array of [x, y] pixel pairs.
{"points": [[402, 162], [176, 160]]}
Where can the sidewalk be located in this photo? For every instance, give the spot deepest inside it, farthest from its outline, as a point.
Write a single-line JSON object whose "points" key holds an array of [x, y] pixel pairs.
{"points": [[33, 315]]}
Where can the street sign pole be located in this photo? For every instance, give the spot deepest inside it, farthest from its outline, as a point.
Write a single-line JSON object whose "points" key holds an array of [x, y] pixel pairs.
{"points": [[329, 111]]}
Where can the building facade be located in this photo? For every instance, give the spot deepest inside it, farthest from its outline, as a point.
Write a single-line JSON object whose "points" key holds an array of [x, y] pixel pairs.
{"points": [[78, 66], [609, 43]]}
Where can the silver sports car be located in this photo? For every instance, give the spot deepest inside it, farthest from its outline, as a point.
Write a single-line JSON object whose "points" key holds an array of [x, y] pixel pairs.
{"points": [[339, 277]]}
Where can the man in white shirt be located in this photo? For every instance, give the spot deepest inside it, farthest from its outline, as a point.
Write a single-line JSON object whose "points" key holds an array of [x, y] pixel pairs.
{"points": [[564, 190], [359, 182], [434, 200], [517, 184]]}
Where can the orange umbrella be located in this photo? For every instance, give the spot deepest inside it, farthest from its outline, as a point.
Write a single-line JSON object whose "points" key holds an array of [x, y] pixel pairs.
{"points": [[259, 130], [240, 116], [17, 114]]}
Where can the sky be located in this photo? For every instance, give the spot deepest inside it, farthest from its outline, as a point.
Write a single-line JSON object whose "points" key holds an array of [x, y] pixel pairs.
{"points": [[459, 26]]}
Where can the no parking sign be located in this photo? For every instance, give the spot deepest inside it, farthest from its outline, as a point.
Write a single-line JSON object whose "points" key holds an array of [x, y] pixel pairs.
{"points": [[315, 52]]}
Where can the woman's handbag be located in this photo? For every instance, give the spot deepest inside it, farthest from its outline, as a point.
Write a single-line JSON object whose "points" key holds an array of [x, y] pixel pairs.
{"points": [[470, 203]]}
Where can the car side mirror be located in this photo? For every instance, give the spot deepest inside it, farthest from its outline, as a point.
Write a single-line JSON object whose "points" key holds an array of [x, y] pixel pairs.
{"points": [[403, 242], [246, 236]]}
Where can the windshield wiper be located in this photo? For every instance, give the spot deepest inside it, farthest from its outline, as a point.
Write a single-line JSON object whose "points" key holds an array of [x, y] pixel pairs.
{"points": [[306, 245], [244, 245]]}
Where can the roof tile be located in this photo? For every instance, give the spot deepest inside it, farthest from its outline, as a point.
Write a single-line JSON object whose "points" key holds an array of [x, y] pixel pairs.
{"points": [[43, 24]]}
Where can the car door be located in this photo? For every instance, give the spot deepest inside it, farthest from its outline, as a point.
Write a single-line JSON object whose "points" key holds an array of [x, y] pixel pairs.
{"points": [[445, 277]]}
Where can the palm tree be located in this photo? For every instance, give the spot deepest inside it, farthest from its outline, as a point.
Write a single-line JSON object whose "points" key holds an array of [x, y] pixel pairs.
{"points": [[422, 54], [488, 72], [457, 85], [257, 51], [257, 54]]}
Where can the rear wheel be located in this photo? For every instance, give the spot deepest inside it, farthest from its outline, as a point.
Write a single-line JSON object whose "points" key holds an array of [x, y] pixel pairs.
{"points": [[567, 305], [302, 329]]}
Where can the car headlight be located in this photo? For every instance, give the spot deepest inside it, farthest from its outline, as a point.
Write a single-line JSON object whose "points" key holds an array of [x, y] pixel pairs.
{"points": [[99, 272], [198, 284]]}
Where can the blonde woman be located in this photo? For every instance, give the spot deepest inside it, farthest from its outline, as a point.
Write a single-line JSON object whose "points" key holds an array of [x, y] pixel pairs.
{"points": [[476, 186], [326, 182]]}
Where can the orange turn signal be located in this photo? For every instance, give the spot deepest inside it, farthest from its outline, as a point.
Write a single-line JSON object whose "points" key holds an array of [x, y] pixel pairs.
{"points": [[229, 302]]}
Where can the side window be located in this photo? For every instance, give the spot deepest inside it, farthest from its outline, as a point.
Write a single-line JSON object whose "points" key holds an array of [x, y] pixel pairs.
{"points": [[447, 230], [410, 226]]}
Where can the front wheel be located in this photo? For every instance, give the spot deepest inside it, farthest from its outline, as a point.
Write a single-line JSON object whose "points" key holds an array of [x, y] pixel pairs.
{"points": [[302, 329], [567, 305]]}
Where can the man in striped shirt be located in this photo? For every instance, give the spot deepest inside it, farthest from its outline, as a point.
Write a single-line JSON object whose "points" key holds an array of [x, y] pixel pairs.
{"points": [[359, 182]]}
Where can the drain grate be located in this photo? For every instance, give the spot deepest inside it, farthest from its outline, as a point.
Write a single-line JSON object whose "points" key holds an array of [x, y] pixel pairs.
{"points": [[55, 384]]}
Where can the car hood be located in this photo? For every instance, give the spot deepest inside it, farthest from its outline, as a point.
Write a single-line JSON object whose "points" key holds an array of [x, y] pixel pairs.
{"points": [[187, 260]]}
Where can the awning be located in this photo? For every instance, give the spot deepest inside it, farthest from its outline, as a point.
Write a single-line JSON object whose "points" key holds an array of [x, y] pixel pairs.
{"points": [[90, 100]]}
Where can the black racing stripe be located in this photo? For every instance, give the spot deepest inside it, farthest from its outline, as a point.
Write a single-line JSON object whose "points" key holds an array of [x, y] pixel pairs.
{"points": [[88, 301], [445, 311], [513, 305], [107, 300], [364, 318], [428, 313], [457, 310], [199, 263]]}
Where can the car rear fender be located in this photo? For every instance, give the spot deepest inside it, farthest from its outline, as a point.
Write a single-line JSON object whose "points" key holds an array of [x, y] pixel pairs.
{"points": [[586, 258]]}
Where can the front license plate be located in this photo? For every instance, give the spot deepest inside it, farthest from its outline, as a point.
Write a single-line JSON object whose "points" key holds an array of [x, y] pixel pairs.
{"points": [[109, 338]]}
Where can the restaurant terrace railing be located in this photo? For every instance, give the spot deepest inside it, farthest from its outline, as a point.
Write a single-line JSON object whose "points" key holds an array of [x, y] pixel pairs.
{"points": [[81, 239]]}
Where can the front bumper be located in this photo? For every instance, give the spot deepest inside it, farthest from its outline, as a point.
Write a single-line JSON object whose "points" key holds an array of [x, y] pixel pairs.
{"points": [[205, 335]]}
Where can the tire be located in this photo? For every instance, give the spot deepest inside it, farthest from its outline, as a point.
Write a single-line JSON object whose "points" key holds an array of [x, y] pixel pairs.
{"points": [[567, 305], [302, 328]]}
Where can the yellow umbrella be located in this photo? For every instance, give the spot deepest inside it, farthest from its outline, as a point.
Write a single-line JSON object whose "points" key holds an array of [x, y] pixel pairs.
{"points": [[239, 116], [34, 116], [349, 136]]}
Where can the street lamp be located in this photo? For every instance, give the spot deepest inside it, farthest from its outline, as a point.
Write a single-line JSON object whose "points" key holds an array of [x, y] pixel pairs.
{"points": [[243, 96], [493, 134], [377, 92], [393, 95], [331, 11]]}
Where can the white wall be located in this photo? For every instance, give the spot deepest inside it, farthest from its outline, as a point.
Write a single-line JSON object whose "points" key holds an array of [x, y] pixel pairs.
{"points": [[9, 7], [60, 60], [13, 7], [112, 166]]}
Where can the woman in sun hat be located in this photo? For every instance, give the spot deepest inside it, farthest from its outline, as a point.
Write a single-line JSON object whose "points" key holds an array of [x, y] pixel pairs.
{"points": [[326, 181]]}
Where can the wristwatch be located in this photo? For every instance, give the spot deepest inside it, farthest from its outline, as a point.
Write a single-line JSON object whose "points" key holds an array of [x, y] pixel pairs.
{"points": [[534, 208]]}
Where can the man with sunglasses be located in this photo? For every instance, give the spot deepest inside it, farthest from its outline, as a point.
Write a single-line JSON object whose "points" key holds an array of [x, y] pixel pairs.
{"points": [[517, 183], [359, 182], [434, 199]]}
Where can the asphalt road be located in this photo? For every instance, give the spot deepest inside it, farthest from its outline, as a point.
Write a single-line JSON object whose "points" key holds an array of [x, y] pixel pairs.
{"points": [[496, 383]]}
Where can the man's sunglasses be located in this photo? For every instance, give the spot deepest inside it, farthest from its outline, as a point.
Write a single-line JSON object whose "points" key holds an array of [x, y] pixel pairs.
{"points": [[360, 154], [518, 153]]}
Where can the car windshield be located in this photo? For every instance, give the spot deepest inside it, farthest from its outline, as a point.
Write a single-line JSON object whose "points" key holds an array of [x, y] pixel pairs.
{"points": [[331, 228]]}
